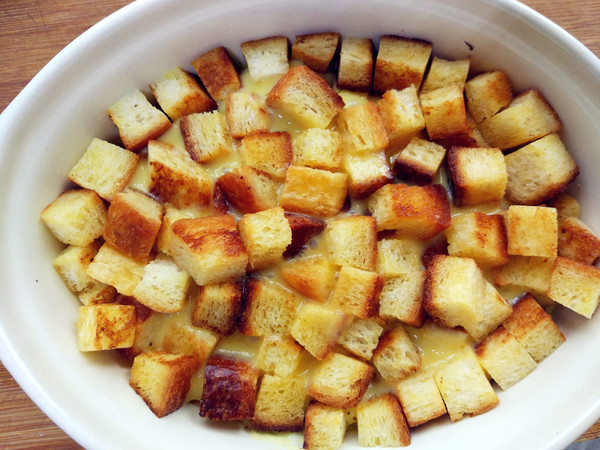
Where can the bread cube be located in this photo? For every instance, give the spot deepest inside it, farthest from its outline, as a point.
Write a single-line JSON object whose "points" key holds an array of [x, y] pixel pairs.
{"points": [[443, 73], [352, 241], [317, 148], [218, 73], [357, 291], [172, 215], [539, 171], [575, 285], [266, 57], [324, 427], [279, 355], [147, 326], [419, 161], [532, 231], [528, 117], [210, 249], [396, 355], [437, 247], [478, 175], [445, 112], [305, 96], [132, 223], [367, 172], [75, 217], [72, 263], [179, 94], [270, 152], [487, 93], [529, 272], [361, 337], [97, 293], [402, 116], [420, 398], [303, 230], [248, 190], [246, 113], [230, 389], [400, 62], [180, 338], [566, 206], [317, 328], [280, 404], [206, 136], [266, 235], [577, 241], [137, 120], [217, 307], [163, 380], [397, 257], [312, 276], [478, 236], [464, 387], [117, 269], [269, 309], [340, 381], [105, 327], [316, 50], [402, 298], [381, 423], [315, 192], [362, 128], [533, 328], [355, 70], [418, 212]]}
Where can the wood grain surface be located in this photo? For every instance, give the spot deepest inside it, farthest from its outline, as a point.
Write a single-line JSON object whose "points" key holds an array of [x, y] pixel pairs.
{"points": [[32, 32]]}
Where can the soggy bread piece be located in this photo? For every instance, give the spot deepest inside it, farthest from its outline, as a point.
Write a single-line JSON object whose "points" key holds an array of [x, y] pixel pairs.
{"points": [[180, 338], [218, 73], [280, 404], [266, 57], [317, 328], [396, 355], [312, 276], [443, 72], [117, 269], [419, 161], [248, 190], [577, 241], [487, 93], [397, 257], [246, 113], [325, 427], [357, 291], [420, 398], [529, 272], [105, 327], [361, 337], [317, 148], [402, 116], [532, 231], [269, 152], [575, 285], [381, 423], [402, 298], [278, 355], [355, 71], [316, 50], [206, 136], [352, 241]]}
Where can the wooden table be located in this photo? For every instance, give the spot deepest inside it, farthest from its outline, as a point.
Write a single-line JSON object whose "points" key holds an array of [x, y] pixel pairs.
{"points": [[31, 33]]}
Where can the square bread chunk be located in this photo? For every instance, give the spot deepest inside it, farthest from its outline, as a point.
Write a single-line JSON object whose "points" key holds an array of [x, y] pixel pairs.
{"points": [[464, 386], [117, 269], [305, 96], [206, 136], [357, 291], [317, 148], [179, 94], [397, 257], [340, 381], [528, 117], [533, 328], [266, 57], [575, 285], [352, 241], [443, 72], [361, 337], [209, 248], [313, 276], [478, 175], [324, 427], [539, 171], [381, 423], [362, 128], [529, 272], [577, 241], [445, 112], [163, 380], [401, 62], [280, 404], [76, 217], [316, 50], [304, 228], [105, 168], [180, 338], [402, 298], [217, 307], [317, 328], [367, 172], [105, 327], [98, 293], [396, 355], [147, 324], [566, 206], [487, 93], [532, 231], [246, 113], [72, 263], [279, 355], [355, 71], [315, 192], [248, 190], [270, 152], [137, 120], [420, 398], [419, 161], [172, 215], [402, 116], [418, 212], [218, 73]]}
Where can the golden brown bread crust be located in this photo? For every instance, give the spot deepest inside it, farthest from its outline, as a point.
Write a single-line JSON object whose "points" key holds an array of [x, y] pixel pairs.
{"points": [[225, 315], [304, 228], [268, 151], [316, 50], [355, 70], [208, 232], [218, 73], [240, 188], [142, 314]]}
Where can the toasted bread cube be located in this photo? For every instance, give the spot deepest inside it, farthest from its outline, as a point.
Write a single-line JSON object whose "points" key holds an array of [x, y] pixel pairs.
{"points": [[105, 327], [305, 96], [352, 241], [478, 236], [419, 161], [532, 231], [137, 120], [266, 57], [464, 387], [456, 294], [317, 148], [445, 112], [185, 339], [402, 298], [280, 404], [117, 269], [362, 128], [355, 71], [270, 152], [577, 241], [206, 136], [217, 307], [269, 309], [75, 217], [575, 285], [340, 381], [72, 263], [316, 50], [209, 248], [266, 235], [402, 116], [230, 389], [528, 117], [304, 228], [418, 212], [487, 93], [246, 113], [361, 337], [172, 215], [533, 328], [381, 423], [396, 355], [566, 206], [357, 291], [539, 171], [527, 271], [147, 326], [325, 427], [444, 73], [218, 73], [248, 190], [279, 355], [397, 257], [420, 398], [132, 223], [316, 192], [470, 137], [317, 328], [312, 276], [367, 172]]}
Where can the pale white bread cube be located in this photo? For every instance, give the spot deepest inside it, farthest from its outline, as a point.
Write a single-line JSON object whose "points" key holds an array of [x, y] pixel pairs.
{"points": [[381, 423], [246, 113], [575, 285], [367, 172], [419, 161], [172, 215], [352, 241], [397, 257], [117, 269], [504, 358], [361, 337], [566, 206], [420, 398], [278, 355], [445, 112], [183, 339], [217, 307], [362, 127], [357, 291], [532, 231], [266, 57], [324, 427], [217, 73], [402, 298], [248, 190], [487, 93], [105, 327], [206, 136], [464, 386], [75, 217], [72, 263], [396, 356], [137, 120], [317, 148], [316, 50], [402, 116], [355, 69], [98, 293], [269, 152], [443, 72], [280, 403], [313, 276], [529, 272], [577, 241]]}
